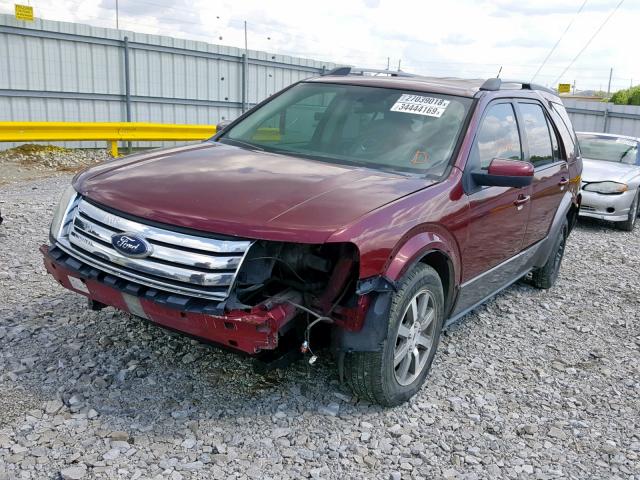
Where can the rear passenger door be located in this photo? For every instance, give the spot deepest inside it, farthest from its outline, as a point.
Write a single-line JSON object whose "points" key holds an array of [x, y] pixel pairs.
{"points": [[551, 179]]}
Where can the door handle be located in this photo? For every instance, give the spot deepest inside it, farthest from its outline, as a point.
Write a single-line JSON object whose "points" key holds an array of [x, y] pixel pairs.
{"points": [[563, 181], [521, 200]]}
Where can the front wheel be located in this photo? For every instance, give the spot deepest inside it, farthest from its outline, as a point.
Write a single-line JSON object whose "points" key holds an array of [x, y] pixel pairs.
{"points": [[630, 223], [396, 373]]}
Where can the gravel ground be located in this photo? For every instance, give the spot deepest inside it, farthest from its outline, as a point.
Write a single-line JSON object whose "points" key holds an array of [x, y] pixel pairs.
{"points": [[535, 384], [33, 161]]}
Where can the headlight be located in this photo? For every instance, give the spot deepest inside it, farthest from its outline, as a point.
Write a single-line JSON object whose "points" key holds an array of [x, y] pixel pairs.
{"points": [[68, 197], [606, 187]]}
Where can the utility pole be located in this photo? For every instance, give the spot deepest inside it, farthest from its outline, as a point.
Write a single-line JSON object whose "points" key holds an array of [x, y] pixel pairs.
{"points": [[245, 69], [399, 62], [574, 87], [609, 87], [388, 60], [117, 16], [244, 83], [245, 37]]}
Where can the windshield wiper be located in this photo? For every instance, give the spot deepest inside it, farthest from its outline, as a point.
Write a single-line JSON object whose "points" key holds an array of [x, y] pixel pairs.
{"points": [[238, 143], [624, 154]]}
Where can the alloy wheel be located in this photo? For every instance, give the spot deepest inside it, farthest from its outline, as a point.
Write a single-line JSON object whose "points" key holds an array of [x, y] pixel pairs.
{"points": [[415, 338]]}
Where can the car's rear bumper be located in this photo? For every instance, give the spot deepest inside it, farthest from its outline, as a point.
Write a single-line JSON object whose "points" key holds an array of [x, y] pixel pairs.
{"points": [[613, 208], [247, 331]]}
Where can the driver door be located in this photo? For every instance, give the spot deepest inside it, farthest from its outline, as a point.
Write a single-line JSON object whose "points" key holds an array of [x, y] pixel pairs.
{"points": [[498, 215]]}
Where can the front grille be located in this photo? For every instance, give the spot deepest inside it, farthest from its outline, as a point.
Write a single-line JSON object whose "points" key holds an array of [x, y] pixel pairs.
{"points": [[198, 266]]}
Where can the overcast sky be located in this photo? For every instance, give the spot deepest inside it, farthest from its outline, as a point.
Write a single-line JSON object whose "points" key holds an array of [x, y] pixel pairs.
{"points": [[462, 38]]}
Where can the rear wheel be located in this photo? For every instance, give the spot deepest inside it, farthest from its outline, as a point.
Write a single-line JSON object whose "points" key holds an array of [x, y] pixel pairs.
{"points": [[395, 374], [546, 276], [630, 223]]}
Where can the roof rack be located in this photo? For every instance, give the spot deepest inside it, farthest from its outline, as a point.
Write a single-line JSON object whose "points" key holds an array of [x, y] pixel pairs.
{"points": [[494, 84], [344, 71]]}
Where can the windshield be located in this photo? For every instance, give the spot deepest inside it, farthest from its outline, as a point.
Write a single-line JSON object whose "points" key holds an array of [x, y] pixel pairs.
{"points": [[379, 128], [610, 149]]}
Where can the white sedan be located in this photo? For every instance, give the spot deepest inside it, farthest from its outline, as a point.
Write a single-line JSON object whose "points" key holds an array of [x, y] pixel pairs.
{"points": [[610, 178]]}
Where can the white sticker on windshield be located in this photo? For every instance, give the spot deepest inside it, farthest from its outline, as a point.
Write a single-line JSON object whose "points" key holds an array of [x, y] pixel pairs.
{"points": [[624, 141], [420, 105]]}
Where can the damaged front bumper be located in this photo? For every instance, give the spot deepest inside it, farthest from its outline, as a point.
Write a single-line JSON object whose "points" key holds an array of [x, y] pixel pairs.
{"points": [[250, 331]]}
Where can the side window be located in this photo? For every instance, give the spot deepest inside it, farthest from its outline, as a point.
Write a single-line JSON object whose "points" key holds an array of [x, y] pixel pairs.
{"points": [[557, 153], [498, 135], [566, 129], [538, 135]]}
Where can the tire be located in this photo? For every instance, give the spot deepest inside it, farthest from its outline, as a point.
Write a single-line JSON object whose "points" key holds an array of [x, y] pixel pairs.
{"points": [[630, 224], [545, 277], [374, 376]]}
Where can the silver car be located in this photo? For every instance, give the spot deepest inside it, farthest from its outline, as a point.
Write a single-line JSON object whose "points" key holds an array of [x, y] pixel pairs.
{"points": [[610, 178]]}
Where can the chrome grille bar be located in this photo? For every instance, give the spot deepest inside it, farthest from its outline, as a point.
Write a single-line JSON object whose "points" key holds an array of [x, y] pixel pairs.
{"points": [[166, 236], [145, 266], [161, 252], [182, 263]]}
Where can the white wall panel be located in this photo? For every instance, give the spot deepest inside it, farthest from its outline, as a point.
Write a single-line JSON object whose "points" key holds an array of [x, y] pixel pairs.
{"points": [[46, 66], [589, 116]]}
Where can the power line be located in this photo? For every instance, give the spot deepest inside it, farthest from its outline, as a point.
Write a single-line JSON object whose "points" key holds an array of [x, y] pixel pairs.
{"points": [[430, 67], [559, 40], [589, 41]]}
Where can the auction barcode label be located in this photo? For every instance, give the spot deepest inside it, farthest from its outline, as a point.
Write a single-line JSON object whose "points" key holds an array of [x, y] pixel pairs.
{"points": [[420, 105]]}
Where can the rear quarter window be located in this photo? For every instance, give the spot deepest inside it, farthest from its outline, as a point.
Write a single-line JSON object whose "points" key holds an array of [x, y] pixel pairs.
{"points": [[564, 126]]}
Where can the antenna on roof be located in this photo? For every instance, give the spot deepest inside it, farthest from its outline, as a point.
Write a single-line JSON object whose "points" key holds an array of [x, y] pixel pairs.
{"points": [[499, 72]]}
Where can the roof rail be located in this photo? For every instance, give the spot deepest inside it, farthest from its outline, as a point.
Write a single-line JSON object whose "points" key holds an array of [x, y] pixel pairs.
{"points": [[339, 71], [344, 71], [494, 84]]}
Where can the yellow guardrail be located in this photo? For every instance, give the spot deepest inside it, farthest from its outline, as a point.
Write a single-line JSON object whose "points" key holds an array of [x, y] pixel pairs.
{"points": [[110, 132]]}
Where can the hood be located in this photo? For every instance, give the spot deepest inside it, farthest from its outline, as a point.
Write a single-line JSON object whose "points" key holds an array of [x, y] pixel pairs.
{"points": [[601, 171], [228, 190]]}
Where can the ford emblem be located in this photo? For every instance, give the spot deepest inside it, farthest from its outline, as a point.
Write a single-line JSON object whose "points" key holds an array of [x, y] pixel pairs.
{"points": [[131, 245]]}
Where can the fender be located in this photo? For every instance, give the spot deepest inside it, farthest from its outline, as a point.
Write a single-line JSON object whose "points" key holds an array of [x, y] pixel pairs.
{"points": [[413, 250], [542, 255], [373, 333], [421, 245]]}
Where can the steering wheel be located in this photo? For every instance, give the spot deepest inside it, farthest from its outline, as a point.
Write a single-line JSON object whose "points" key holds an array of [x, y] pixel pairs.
{"points": [[369, 144]]}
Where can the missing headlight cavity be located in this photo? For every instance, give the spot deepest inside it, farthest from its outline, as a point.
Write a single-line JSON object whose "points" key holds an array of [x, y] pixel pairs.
{"points": [[273, 267]]}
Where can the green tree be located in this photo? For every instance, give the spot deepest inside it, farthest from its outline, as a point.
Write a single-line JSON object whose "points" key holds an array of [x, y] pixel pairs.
{"points": [[629, 96]]}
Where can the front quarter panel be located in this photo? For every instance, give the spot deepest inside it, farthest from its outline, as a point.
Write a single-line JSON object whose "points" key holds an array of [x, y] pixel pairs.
{"points": [[418, 245], [392, 238]]}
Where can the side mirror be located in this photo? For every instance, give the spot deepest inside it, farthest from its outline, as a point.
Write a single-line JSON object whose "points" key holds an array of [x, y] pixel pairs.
{"points": [[222, 124], [505, 173]]}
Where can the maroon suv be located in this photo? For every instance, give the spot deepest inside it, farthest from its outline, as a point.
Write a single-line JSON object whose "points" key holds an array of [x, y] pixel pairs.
{"points": [[364, 212]]}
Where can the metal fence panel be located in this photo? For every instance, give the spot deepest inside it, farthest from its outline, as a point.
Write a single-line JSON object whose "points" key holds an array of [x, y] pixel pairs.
{"points": [[604, 117], [60, 71]]}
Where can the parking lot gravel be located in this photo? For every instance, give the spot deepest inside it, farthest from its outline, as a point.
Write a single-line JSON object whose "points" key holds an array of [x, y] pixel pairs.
{"points": [[33, 161], [535, 384]]}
